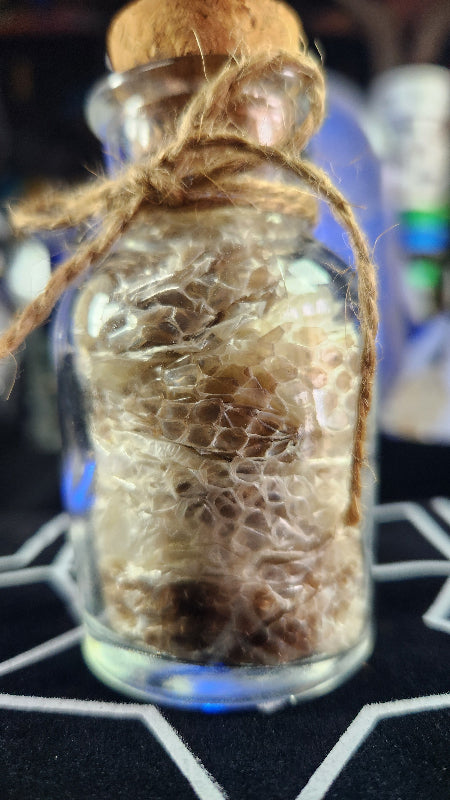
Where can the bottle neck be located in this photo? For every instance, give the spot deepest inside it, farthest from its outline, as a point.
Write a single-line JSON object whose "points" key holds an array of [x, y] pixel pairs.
{"points": [[135, 113]]}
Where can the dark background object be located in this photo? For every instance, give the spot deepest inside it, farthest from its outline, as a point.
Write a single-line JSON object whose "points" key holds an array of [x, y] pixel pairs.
{"points": [[51, 53]]}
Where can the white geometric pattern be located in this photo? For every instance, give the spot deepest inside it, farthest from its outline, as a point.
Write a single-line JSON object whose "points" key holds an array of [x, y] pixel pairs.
{"points": [[438, 615], [15, 571], [201, 781], [363, 724], [45, 536]]}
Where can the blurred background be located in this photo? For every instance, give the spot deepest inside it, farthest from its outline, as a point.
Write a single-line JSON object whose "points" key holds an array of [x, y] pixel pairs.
{"points": [[385, 142]]}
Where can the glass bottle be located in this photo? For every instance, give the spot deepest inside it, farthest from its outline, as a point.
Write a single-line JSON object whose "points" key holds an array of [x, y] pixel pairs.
{"points": [[209, 372]]}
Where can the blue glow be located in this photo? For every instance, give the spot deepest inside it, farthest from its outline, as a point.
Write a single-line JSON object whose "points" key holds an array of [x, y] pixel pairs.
{"points": [[427, 238], [78, 497], [209, 687], [214, 708]]}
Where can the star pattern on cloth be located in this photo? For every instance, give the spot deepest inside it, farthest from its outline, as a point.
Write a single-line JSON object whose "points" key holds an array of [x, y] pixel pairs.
{"points": [[20, 570]]}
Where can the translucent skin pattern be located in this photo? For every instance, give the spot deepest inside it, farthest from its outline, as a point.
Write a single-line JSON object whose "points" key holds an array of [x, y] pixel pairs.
{"points": [[220, 376]]}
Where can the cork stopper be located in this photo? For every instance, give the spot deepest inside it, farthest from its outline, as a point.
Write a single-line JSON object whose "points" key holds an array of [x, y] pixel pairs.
{"points": [[147, 30]]}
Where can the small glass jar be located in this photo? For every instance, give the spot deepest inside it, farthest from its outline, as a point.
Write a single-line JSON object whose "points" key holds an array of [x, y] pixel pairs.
{"points": [[209, 375]]}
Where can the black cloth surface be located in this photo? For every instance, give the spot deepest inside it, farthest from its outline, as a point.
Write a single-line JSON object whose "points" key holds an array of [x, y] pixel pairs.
{"points": [[385, 733]]}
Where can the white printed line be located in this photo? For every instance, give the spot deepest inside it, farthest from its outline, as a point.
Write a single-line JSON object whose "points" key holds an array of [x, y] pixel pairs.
{"points": [[54, 576], [413, 705], [430, 529], [46, 535], [390, 512], [24, 577], [199, 778], [441, 505], [357, 732], [337, 758], [64, 557], [61, 705], [191, 767], [63, 582], [417, 516], [41, 651], [437, 616], [67, 591], [402, 570]]}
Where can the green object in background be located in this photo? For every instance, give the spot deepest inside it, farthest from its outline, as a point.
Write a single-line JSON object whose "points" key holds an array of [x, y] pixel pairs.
{"points": [[424, 288], [424, 273], [433, 216]]}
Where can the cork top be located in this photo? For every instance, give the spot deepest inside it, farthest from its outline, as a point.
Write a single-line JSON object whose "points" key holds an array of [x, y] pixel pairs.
{"points": [[148, 30]]}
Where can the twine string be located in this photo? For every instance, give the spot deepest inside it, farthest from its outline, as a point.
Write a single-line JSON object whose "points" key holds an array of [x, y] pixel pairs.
{"points": [[209, 161]]}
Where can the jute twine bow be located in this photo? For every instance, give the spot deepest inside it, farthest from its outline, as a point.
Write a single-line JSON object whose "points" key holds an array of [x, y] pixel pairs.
{"points": [[209, 161]]}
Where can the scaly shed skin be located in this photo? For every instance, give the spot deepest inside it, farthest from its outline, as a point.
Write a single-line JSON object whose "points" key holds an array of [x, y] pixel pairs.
{"points": [[149, 30]]}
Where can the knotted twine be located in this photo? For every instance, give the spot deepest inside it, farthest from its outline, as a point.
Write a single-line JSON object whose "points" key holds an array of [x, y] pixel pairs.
{"points": [[208, 161]]}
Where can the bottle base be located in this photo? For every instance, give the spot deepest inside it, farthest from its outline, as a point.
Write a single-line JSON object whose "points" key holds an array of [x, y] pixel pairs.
{"points": [[217, 688]]}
